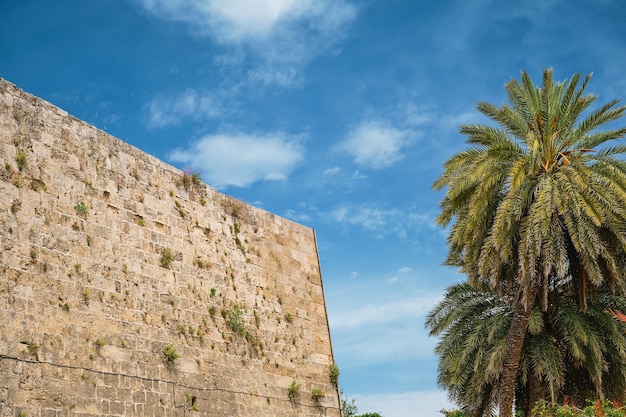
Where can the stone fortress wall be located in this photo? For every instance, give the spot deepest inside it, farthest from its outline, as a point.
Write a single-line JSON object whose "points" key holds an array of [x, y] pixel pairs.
{"points": [[129, 288]]}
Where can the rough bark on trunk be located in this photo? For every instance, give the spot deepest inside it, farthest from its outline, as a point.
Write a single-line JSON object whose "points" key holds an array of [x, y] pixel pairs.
{"points": [[515, 342], [537, 391]]}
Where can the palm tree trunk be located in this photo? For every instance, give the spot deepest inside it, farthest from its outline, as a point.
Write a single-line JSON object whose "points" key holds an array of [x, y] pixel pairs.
{"points": [[515, 342], [536, 392]]}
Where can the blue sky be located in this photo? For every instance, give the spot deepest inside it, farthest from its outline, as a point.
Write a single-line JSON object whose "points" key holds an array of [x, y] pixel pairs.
{"points": [[337, 114]]}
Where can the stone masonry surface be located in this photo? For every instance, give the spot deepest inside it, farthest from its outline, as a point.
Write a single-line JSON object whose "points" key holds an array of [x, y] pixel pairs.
{"points": [[130, 288]]}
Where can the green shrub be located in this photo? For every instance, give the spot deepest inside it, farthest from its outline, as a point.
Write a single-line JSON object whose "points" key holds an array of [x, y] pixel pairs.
{"points": [[317, 394], [234, 317], [32, 348], [334, 373], [99, 343], [592, 409], [170, 353], [81, 209], [20, 159], [166, 257], [293, 391]]}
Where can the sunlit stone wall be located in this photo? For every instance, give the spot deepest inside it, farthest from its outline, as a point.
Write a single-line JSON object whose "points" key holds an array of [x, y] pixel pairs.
{"points": [[128, 288]]}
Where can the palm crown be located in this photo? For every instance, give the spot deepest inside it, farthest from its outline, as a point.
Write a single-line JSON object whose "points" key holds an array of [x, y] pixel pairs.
{"points": [[533, 199]]}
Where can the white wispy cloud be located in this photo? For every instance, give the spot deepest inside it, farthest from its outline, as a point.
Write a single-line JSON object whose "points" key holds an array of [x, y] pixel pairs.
{"points": [[356, 175], [414, 115], [278, 75], [374, 314], [405, 404], [453, 121], [284, 34], [241, 159], [368, 217], [363, 328], [298, 216], [385, 344], [376, 144], [236, 21], [384, 221], [173, 110], [331, 171]]}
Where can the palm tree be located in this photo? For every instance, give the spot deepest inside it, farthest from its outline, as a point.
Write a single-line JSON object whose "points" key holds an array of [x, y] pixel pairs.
{"points": [[567, 353], [472, 324], [538, 200]]}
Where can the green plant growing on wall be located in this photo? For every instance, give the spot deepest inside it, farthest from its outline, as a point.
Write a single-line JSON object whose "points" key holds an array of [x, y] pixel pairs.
{"points": [[317, 394], [33, 348], [195, 177], [191, 402], [289, 317], [334, 373], [16, 206], [255, 342], [166, 257], [20, 159], [99, 343], [190, 177], [181, 212], [185, 180], [240, 245], [170, 354], [293, 391], [234, 317], [81, 209]]}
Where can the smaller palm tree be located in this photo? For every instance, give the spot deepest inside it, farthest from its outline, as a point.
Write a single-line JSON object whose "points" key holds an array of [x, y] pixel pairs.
{"points": [[568, 354]]}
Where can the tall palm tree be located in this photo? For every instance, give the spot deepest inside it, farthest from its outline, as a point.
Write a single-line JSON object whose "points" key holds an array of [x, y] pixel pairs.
{"points": [[536, 200], [567, 352]]}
